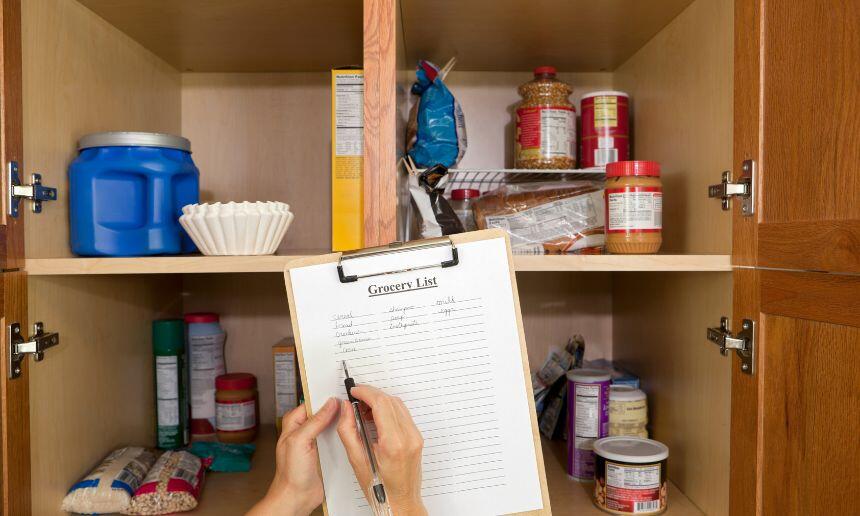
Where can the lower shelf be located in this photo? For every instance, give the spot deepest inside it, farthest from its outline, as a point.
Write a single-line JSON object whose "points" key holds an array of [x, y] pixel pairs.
{"points": [[234, 493], [276, 263]]}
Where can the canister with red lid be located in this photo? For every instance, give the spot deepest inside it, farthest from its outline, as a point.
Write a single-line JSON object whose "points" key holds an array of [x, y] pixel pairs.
{"points": [[605, 135], [236, 408]]}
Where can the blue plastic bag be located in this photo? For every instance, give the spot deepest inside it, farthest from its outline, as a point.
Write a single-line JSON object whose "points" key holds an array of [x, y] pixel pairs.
{"points": [[438, 133]]}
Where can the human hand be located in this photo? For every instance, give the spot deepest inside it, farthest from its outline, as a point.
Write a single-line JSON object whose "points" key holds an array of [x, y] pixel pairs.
{"points": [[297, 488], [397, 450]]}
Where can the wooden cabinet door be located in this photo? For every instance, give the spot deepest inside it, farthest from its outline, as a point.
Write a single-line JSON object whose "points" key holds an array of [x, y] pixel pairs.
{"points": [[14, 397], [795, 443]]}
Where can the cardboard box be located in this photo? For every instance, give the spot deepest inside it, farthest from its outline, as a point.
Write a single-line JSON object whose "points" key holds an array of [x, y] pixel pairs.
{"points": [[347, 159], [288, 383]]}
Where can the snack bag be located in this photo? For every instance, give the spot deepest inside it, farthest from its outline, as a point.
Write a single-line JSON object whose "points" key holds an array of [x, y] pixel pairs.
{"points": [[436, 132]]}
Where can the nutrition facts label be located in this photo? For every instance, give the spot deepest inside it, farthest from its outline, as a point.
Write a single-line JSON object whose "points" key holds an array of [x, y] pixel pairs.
{"points": [[637, 209], [349, 114]]}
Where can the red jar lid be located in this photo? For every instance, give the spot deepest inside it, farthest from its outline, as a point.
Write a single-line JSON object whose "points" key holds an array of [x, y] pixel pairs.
{"points": [[464, 193], [236, 382], [201, 317], [633, 168], [545, 70]]}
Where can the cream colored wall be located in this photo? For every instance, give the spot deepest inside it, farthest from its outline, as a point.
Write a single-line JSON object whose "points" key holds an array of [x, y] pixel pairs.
{"points": [[681, 89], [265, 137], [80, 76]]}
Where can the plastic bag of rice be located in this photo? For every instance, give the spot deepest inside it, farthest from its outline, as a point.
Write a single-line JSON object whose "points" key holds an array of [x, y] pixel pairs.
{"points": [[172, 485], [110, 486]]}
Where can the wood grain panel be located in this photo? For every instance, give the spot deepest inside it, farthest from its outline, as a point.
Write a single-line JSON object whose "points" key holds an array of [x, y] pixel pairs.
{"points": [[747, 122], [242, 36], [811, 403], [820, 297], [680, 85], [81, 75], [508, 35], [811, 135], [380, 122], [828, 245], [95, 389], [11, 131], [745, 476], [265, 137], [658, 333], [15, 473]]}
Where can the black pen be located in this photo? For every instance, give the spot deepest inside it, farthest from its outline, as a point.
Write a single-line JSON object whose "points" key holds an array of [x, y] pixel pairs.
{"points": [[376, 484]]}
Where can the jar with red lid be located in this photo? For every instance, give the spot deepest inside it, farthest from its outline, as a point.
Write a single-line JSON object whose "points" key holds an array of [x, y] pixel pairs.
{"points": [[546, 123], [236, 409], [634, 207], [461, 202]]}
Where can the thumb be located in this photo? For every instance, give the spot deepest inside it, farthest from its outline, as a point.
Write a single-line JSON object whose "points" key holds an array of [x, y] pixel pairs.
{"points": [[318, 422], [348, 433]]}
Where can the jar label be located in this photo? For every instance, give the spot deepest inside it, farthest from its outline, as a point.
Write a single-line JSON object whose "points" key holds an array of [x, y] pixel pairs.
{"points": [[546, 132], [631, 489], [235, 417], [636, 209]]}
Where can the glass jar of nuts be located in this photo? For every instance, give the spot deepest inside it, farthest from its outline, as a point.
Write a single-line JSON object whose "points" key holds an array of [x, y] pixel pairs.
{"points": [[546, 123]]}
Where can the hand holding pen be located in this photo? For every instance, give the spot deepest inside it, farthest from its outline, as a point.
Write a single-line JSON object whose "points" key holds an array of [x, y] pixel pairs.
{"points": [[397, 451]]}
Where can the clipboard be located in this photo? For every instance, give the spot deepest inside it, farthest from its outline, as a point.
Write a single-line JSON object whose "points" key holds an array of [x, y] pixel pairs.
{"points": [[452, 242]]}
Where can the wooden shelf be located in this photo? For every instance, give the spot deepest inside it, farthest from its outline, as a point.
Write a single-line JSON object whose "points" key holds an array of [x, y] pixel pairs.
{"points": [[276, 263], [509, 35], [246, 36], [235, 493]]}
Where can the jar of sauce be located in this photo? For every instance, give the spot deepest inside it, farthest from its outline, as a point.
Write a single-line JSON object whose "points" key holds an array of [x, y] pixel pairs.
{"points": [[236, 411], [634, 207]]}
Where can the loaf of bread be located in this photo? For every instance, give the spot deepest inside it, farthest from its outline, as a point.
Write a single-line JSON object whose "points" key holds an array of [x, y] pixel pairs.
{"points": [[546, 218]]}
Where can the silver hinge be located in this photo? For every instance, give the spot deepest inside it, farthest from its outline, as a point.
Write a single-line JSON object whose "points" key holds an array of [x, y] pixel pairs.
{"points": [[20, 348], [34, 191], [743, 343], [744, 189]]}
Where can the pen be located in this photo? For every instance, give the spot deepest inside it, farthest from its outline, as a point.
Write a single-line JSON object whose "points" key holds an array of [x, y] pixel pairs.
{"points": [[378, 489]]}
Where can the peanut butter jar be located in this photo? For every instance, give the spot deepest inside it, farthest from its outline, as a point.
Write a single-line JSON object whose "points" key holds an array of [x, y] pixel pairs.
{"points": [[236, 412], [634, 207]]}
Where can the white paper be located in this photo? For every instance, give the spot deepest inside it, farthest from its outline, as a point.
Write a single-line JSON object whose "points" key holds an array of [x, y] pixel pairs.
{"points": [[446, 342]]}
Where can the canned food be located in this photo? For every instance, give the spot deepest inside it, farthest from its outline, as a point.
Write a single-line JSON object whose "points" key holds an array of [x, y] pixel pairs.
{"points": [[630, 475]]}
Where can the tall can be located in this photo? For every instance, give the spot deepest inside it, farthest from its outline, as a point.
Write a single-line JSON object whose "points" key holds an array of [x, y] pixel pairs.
{"points": [[171, 384], [205, 363], [588, 419], [605, 128]]}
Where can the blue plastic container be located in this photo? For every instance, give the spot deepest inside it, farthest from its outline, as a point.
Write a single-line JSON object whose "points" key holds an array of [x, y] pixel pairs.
{"points": [[126, 193]]}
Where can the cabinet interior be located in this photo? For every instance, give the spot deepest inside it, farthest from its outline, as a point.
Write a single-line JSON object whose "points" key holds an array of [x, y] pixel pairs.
{"points": [[257, 110]]}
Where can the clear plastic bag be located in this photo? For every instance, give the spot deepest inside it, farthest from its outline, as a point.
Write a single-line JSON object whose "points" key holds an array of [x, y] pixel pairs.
{"points": [[547, 218]]}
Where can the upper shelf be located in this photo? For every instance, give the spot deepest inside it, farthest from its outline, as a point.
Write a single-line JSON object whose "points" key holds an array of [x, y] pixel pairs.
{"points": [[242, 36], [511, 35], [242, 264]]}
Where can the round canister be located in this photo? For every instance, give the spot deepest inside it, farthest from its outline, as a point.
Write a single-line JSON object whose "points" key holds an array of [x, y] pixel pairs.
{"points": [[126, 193], [236, 411], [205, 350], [630, 475], [628, 411], [634, 207], [605, 128], [588, 419]]}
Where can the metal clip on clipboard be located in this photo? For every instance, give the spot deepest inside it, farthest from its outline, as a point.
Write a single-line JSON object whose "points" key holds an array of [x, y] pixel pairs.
{"points": [[397, 247]]}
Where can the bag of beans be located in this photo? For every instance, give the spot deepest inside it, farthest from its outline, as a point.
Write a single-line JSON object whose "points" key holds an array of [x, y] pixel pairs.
{"points": [[172, 485], [109, 487]]}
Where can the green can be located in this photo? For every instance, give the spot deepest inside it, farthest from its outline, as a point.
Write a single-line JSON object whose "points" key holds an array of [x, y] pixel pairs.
{"points": [[171, 383]]}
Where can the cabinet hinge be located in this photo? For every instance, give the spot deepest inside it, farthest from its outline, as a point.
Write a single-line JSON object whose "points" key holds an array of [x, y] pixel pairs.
{"points": [[20, 348], [34, 191], [743, 343], [744, 189]]}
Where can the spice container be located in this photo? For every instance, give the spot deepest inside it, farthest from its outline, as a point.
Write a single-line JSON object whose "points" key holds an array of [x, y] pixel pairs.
{"points": [[605, 128], [546, 123], [205, 346], [634, 207], [461, 203], [628, 411], [630, 475], [236, 407], [588, 419], [171, 384]]}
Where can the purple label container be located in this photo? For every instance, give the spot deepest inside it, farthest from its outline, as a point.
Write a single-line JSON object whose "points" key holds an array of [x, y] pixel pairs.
{"points": [[588, 419]]}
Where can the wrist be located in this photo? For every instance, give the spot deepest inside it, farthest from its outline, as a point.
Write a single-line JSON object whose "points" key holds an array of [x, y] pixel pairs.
{"points": [[280, 502], [407, 507]]}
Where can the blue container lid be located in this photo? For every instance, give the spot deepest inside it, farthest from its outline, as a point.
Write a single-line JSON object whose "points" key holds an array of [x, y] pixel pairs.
{"points": [[134, 139]]}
